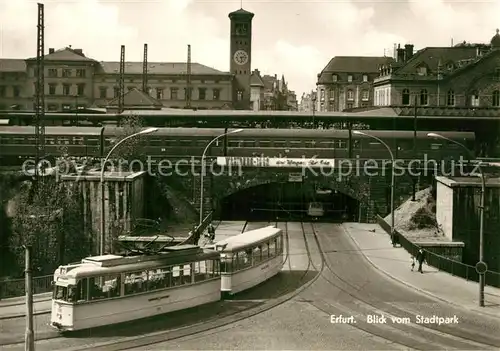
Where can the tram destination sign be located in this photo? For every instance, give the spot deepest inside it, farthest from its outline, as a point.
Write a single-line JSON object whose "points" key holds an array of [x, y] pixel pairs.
{"points": [[278, 162]]}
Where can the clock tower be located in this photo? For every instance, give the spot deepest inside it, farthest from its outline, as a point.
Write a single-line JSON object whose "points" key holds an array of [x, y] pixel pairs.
{"points": [[241, 57]]}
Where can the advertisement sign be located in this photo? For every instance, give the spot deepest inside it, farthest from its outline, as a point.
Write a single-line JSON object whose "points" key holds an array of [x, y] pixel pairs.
{"points": [[278, 162], [295, 177]]}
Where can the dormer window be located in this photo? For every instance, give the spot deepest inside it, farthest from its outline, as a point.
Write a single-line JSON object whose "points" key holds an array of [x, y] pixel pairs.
{"points": [[365, 78], [422, 70], [349, 78], [334, 77]]}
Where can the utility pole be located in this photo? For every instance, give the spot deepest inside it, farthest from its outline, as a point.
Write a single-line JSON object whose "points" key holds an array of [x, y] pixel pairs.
{"points": [[121, 80], [39, 92], [29, 339], [145, 70], [188, 79], [413, 179]]}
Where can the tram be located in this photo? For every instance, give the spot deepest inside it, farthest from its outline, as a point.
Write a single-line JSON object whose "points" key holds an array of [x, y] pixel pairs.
{"points": [[249, 259], [112, 289]]}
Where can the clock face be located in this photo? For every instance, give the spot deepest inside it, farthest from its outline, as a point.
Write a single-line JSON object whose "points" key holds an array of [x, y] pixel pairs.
{"points": [[240, 57]]}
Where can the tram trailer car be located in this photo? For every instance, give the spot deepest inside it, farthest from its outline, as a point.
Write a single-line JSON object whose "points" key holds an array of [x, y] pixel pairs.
{"points": [[182, 142], [249, 259], [113, 289]]}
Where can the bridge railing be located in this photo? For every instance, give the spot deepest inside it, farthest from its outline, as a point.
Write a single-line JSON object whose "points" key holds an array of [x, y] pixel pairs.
{"points": [[443, 263]]}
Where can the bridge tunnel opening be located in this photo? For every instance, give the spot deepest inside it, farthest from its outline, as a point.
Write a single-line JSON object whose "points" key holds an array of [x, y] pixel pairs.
{"points": [[289, 201]]}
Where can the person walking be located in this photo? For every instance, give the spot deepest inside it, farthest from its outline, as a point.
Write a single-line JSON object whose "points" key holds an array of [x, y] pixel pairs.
{"points": [[211, 232], [420, 259], [196, 235]]}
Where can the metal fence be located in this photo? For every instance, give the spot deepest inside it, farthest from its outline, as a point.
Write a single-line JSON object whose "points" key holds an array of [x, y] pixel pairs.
{"points": [[201, 228], [443, 263], [15, 287]]}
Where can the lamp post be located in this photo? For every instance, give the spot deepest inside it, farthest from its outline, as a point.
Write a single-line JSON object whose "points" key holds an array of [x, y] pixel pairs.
{"points": [[481, 263], [203, 167], [103, 168], [357, 132], [314, 107]]}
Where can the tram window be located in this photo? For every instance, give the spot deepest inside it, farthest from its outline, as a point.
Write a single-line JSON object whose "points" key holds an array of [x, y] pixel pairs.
{"points": [[4, 140], [248, 143], [235, 265], [272, 248], [104, 287], [265, 251], [309, 143], [295, 144], [78, 141], [356, 144], [257, 255], [186, 274], [92, 141], [436, 146], [226, 265], [244, 260], [155, 142], [159, 278], [202, 143], [63, 140], [18, 140], [81, 290], [185, 143], [326, 144], [176, 276], [200, 271], [279, 143], [340, 144], [264, 144], [60, 293], [136, 282]]}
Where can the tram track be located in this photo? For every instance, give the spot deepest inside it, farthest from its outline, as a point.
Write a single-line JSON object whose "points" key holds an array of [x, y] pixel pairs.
{"points": [[419, 337], [281, 296]]}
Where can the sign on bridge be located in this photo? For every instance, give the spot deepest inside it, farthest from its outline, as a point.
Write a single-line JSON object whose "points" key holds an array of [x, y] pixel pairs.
{"points": [[278, 162]]}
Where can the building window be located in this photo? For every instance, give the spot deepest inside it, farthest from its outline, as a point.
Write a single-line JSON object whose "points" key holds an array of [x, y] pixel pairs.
{"points": [[202, 92], [424, 97], [17, 91], [174, 92], [405, 97], [159, 93], [66, 107], [322, 94], [350, 95], [52, 107], [2, 91], [496, 98], [450, 98], [102, 92], [497, 74], [349, 78], [66, 73], [188, 93], [116, 92], [216, 94], [239, 95], [474, 99], [66, 89], [80, 73], [52, 89], [52, 72], [422, 71], [349, 105], [365, 95], [80, 89], [365, 78], [334, 77]]}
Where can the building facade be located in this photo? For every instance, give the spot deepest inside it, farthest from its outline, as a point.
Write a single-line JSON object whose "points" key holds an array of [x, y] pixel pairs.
{"points": [[307, 102], [346, 82], [462, 76], [271, 93]]}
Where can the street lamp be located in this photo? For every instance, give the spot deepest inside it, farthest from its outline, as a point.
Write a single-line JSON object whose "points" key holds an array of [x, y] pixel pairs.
{"points": [[103, 168], [314, 107], [203, 167], [481, 263], [392, 179]]}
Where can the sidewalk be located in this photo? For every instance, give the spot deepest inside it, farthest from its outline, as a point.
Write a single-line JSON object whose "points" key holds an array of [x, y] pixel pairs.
{"points": [[14, 307], [395, 262]]}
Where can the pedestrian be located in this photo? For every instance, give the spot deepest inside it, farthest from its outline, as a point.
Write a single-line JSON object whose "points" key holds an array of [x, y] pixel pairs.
{"points": [[211, 232], [196, 235], [420, 259], [412, 263]]}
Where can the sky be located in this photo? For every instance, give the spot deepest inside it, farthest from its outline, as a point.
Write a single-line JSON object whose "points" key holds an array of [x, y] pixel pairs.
{"points": [[291, 38]]}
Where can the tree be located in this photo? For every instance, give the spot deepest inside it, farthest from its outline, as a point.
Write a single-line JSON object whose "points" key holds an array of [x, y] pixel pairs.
{"points": [[131, 149]]}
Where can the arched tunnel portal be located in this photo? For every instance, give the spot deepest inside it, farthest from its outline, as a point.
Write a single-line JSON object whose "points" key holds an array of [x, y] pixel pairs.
{"points": [[289, 201]]}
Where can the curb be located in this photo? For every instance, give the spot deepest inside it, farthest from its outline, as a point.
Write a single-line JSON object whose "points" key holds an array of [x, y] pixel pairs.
{"points": [[425, 292], [22, 315], [22, 303]]}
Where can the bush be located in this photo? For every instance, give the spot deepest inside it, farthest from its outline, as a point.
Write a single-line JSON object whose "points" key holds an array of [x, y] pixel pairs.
{"points": [[422, 218]]}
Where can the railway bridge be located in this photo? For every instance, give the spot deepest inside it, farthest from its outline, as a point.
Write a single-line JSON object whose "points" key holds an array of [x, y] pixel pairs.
{"points": [[252, 187]]}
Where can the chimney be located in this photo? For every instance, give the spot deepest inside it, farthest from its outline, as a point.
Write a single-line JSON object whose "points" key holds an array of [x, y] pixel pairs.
{"points": [[51, 51], [78, 52], [408, 52], [400, 54]]}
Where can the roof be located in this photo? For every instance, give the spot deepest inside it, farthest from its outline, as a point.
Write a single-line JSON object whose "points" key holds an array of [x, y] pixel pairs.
{"points": [[241, 13], [432, 57], [30, 130], [136, 97], [352, 64], [250, 238], [170, 68], [453, 182], [256, 80], [12, 65], [66, 54]]}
